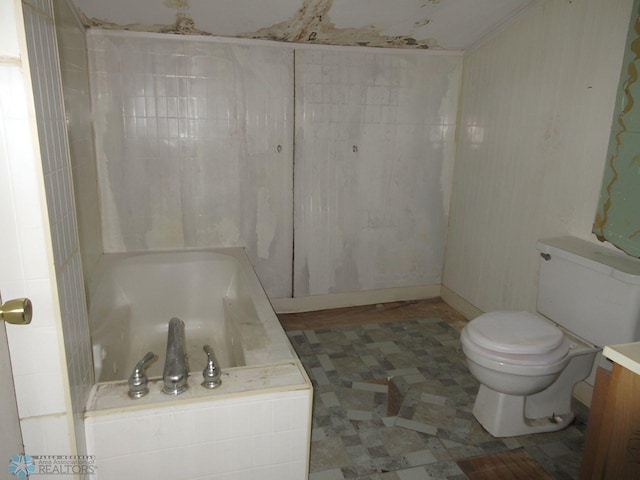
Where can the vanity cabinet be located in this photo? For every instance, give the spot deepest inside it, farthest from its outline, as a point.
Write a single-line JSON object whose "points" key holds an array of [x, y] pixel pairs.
{"points": [[612, 448]]}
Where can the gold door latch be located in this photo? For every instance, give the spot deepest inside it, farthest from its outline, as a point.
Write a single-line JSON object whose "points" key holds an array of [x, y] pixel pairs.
{"points": [[17, 311]]}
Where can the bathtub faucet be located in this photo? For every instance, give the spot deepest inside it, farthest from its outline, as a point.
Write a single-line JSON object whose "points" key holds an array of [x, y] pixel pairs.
{"points": [[176, 370], [211, 372], [138, 379]]}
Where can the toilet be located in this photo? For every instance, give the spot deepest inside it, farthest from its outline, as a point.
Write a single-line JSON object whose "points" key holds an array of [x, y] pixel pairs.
{"points": [[527, 364]]}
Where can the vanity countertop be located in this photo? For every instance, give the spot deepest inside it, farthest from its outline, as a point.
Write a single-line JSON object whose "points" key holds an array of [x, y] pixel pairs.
{"points": [[624, 354]]}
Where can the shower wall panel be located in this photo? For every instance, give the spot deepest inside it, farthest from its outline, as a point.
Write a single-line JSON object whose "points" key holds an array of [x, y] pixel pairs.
{"points": [[373, 161], [194, 146]]}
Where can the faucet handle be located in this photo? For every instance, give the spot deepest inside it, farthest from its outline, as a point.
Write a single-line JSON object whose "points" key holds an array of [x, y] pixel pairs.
{"points": [[211, 372], [138, 379]]}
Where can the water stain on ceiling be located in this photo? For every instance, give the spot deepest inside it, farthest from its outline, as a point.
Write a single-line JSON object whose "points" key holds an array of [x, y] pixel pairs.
{"points": [[312, 24], [416, 24]]}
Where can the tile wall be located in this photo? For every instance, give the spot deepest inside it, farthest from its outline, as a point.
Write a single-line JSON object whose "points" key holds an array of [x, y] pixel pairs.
{"points": [[375, 137], [56, 167], [72, 49], [26, 264], [261, 436]]}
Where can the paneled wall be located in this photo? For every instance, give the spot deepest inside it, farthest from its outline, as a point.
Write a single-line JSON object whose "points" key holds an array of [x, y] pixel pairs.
{"points": [[536, 108], [375, 139], [194, 147]]}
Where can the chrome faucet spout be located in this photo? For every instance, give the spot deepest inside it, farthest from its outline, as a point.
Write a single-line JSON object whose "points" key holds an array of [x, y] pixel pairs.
{"points": [[176, 370]]}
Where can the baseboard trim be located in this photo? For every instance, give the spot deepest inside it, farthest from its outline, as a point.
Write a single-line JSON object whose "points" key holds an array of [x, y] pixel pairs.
{"points": [[354, 299], [467, 309]]}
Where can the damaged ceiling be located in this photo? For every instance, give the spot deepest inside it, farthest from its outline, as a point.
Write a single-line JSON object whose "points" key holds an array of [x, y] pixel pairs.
{"points": [[438, 24]]}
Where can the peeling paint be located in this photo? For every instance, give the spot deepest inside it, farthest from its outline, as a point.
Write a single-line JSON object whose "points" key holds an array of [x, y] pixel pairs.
{"points": [[226, 232], [346, 275], [184, 24], [266, 223], [410, 24], [422, 23], [181, 5], [311, 24]]}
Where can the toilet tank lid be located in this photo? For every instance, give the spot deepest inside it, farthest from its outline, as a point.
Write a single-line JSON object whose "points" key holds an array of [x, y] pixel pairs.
{"points": [[611, 262], [515, 333]]}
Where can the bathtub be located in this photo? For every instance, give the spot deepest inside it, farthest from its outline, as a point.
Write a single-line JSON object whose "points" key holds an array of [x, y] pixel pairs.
{"points": [[257, 423]]}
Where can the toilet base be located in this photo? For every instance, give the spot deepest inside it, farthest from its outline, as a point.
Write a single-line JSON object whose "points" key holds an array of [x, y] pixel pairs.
{"points": [[503, 415]]}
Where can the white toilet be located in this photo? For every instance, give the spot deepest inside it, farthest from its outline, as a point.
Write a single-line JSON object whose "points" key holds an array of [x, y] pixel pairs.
{"points": [[528, 364]]}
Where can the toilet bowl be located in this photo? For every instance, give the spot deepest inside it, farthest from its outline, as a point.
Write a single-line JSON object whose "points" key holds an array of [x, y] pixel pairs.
{"points": [[527, 368]]}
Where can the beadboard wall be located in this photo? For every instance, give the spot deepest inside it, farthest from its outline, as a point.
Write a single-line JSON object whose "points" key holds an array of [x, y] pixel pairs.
{"points": [[536, 109]]}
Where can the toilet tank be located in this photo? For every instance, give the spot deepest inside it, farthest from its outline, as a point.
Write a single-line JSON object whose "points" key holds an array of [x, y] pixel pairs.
{"points": [[590, 290]]}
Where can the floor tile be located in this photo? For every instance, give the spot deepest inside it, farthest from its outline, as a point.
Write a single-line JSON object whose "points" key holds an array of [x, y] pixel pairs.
{"points": [[358, 371]]}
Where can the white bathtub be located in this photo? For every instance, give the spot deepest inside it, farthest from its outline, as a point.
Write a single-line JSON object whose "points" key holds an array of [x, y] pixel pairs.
{"points": [[216, 293]]}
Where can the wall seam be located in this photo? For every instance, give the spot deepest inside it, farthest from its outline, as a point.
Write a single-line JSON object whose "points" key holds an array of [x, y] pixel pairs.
{"points": [[293, 179]]}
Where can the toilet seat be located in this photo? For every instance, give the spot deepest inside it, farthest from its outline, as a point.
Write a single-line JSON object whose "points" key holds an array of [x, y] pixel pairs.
{"points": [[515, 332], [515, 338]]}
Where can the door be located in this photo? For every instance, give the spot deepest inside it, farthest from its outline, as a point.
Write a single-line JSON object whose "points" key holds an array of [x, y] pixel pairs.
{"points": [[10, 436], [20, 212], [17, 312]]}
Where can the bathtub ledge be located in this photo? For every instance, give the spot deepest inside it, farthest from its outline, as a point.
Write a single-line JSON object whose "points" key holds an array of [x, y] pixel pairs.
{"points": [[109, 398]]}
